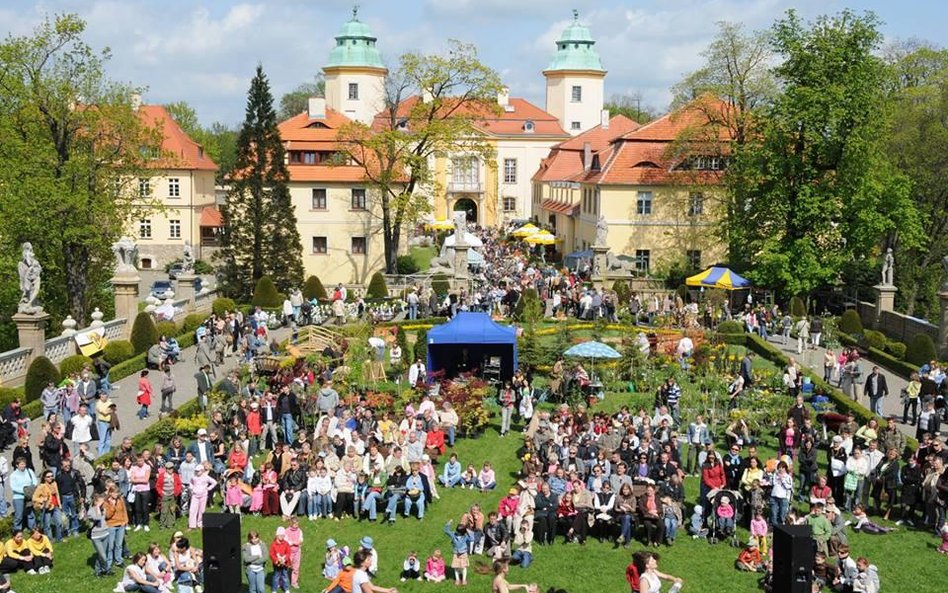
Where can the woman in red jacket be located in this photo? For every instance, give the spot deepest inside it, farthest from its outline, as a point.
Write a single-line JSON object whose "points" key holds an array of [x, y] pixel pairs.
{"points": [[712, 477], [144, 394], [280, 557], [254, 428]]}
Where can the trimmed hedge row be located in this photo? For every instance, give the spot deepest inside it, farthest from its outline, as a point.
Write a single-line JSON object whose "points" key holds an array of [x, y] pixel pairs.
{"points": [[882, 358], [157, 431], [755, 343]]}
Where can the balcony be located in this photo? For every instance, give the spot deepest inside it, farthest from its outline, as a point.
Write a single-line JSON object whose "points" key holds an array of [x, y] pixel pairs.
{"points": [[465, 187]]}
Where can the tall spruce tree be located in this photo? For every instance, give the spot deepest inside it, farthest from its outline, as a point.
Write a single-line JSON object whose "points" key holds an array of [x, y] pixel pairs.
{"points": [[261, 238]]}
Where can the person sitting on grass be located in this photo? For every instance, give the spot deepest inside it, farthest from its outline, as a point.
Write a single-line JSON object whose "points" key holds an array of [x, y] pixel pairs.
{"points": [[486, 480], [451, 473], [434, 567], [863, 524], [42, 551], [750, 559], [136, 579], [17, 555], [411, 567]]}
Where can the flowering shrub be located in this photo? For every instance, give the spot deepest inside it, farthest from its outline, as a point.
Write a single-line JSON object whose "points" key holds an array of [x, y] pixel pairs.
{"points": [[469, 401]]}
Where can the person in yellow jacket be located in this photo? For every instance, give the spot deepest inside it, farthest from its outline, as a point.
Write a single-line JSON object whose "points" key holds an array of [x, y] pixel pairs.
{"points": [[48, 504], [17, 555], [42, 551]]}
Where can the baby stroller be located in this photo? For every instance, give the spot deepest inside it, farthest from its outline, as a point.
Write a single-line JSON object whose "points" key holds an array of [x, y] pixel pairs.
{"points": [[717, 531]]}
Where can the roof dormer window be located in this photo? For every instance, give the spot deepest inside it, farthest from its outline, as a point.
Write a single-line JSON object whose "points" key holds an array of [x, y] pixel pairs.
{"points": [[529, 126]]}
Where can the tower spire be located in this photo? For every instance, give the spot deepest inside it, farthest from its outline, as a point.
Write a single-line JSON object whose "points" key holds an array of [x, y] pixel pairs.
{"points": [[355, 12]]}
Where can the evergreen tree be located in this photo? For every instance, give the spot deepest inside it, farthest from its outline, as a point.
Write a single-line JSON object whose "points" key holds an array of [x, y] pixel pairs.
{"points": [[261, 237]]}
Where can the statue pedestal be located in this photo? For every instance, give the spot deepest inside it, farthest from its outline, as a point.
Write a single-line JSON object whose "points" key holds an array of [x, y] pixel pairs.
{"points": [[942, 344], [186, 289], [126, 300], [600, 267], [32, 332], [460, 263], [885, 299]]}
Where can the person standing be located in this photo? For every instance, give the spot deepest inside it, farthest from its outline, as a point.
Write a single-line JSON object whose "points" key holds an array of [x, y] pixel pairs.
{"points": [[204, 384], [280, 557], [201, 486], [876, 389], [167, 391], [255, 563], [747, 369], [139, 475], [116, 519], [103, 420], [72, 493], [144, 394]]}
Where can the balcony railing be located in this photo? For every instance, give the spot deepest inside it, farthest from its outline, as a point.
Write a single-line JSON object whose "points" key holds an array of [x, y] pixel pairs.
{"points": [[466, 187]]}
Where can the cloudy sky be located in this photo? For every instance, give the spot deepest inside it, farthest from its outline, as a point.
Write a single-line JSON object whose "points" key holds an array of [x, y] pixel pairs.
{"points": [[204, 51]]}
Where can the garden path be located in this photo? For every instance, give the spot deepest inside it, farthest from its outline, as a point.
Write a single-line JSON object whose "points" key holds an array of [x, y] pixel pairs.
{"points": [[813, 358]]}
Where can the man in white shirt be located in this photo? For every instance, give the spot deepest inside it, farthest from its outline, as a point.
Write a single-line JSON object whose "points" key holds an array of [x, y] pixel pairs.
{"points": [[417, 373], [81, 427]]}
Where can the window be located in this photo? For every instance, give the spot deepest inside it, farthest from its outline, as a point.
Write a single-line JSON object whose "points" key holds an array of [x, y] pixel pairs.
{"points": [[358, 199], [643, 205], [174, 229], [353, 91], [320, 245], [309, 157], [575, 126], [510, 170], [709, 163], [465, 174], [528, 126], [577, 94], [643, 258], [695, 203], [694, 259], [144, 228], [510, 204], [174, 187], [144, 188], [358, 245], [319, 198], [145, 263]]}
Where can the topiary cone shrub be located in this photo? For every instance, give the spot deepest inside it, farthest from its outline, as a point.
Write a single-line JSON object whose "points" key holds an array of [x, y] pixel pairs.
{"points": [[144, 333], [41, 372], [73, 364], [797, 307], [920, 350], [118, 351], [849, 323], [623, 293], [265, 294], [313, 289], [222, 305], [377, 288], [440, 285]]}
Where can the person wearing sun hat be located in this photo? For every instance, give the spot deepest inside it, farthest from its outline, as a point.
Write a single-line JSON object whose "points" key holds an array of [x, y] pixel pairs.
{"points": [[368, 544], [280, 557], [332, 564]]}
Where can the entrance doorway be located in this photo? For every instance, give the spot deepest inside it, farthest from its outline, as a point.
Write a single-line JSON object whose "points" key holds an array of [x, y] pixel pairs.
{"points": [[469, 207]]}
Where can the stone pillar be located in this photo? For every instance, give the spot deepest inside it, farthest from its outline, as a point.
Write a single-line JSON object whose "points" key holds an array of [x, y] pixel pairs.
{"points": [[126, 301], [942, 344], [461, 272], [885, 300], [32, 332], [186, 290], [599, 266]]}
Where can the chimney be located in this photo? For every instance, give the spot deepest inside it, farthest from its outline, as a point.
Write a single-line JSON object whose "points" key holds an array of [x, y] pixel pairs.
{"points": [[317, 108], [503, 97], [587, 155], [136, 100], [604, 119]]}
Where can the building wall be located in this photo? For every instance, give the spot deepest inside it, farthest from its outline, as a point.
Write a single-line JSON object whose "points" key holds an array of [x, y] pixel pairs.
{"points": [[371, 92], [339, 223], [668, 233], [588, 111], [195, 191], [527, 151]]}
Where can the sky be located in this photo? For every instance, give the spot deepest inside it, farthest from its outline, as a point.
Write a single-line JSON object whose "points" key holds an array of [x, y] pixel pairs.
{"points": [[205, 51]]}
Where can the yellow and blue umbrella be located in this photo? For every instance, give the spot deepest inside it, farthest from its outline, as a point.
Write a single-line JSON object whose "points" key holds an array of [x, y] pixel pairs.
{"points": [[718, 277]]}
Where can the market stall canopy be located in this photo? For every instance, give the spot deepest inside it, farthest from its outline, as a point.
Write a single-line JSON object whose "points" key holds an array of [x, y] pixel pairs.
{"points": [[718, 277], [592, 350], [469, 239], [470, 341], [526, 230], [542, 238]]}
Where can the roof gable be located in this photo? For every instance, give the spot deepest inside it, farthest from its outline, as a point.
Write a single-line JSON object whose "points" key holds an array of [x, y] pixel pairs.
{"points": [[182, 151]]}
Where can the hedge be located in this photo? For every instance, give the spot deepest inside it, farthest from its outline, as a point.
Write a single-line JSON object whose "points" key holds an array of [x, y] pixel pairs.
{"points": [[222, 305], [144, 333], [40, 373], [166, 328], [921, 350], [377, 288], [883, 359], [842, 402], [118, 351], [73, 364], [730, 327], [265, 294], [313, 289], [850, 322]]}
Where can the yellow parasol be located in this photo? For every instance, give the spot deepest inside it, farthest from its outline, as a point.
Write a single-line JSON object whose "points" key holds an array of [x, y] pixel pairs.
{"points": [[526, 230], [441, 225], [542, 238]]}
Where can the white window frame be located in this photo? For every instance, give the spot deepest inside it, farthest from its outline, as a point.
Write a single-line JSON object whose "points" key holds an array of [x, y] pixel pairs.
{"points": [[144, 228], [576, 125], [576, 94], [695, 203], [174, 187], [325, 246], [174, 228], [144, 187], [509, 204], [364, 200], [325, 198], [353, 96], [644, 203], [510, 171], [643, 259]]}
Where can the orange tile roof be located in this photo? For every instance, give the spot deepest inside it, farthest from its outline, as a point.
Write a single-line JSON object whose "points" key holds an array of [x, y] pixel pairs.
{"points": [[560, 207], [297, 134], [694, 116], [297, 128], [211, 216], [182, 151], [493, 118], [565, 162], [325, 173]]}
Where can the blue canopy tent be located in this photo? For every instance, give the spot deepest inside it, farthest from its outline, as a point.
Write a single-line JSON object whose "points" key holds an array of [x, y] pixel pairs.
{"points": [[572, 260], [469, 341]]}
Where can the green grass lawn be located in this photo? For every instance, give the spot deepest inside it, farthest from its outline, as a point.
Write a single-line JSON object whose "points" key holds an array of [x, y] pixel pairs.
{"points": [[907, 560], [422, 256]]}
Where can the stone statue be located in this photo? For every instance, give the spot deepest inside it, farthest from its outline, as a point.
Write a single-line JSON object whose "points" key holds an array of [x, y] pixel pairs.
{"points": [[888, 268], [614, 264], [443, 265], [460, 227], [187, 268], [602, 230], [126, 255], [30, 272]]}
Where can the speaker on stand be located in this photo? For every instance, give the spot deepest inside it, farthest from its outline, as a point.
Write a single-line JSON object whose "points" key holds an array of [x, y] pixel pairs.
{"points": [[794, 550], [222, 564]]}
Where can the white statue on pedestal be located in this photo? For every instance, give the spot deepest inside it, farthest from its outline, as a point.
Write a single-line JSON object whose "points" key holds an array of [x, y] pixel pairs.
{"points": [[888, 268], [187, 263], [126, 256], [30, 272], [602, 231]]}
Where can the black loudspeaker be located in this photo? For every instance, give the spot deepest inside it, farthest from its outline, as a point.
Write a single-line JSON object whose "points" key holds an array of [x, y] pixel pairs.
{"points": [[794, 550], [221, 553]]}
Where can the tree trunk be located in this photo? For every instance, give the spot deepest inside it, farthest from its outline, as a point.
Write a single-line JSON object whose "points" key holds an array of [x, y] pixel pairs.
{"points": [[76, 259]]}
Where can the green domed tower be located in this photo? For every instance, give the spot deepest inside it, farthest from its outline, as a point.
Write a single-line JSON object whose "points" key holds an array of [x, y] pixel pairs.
{"points": [[355, 73], [575, 80]]}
